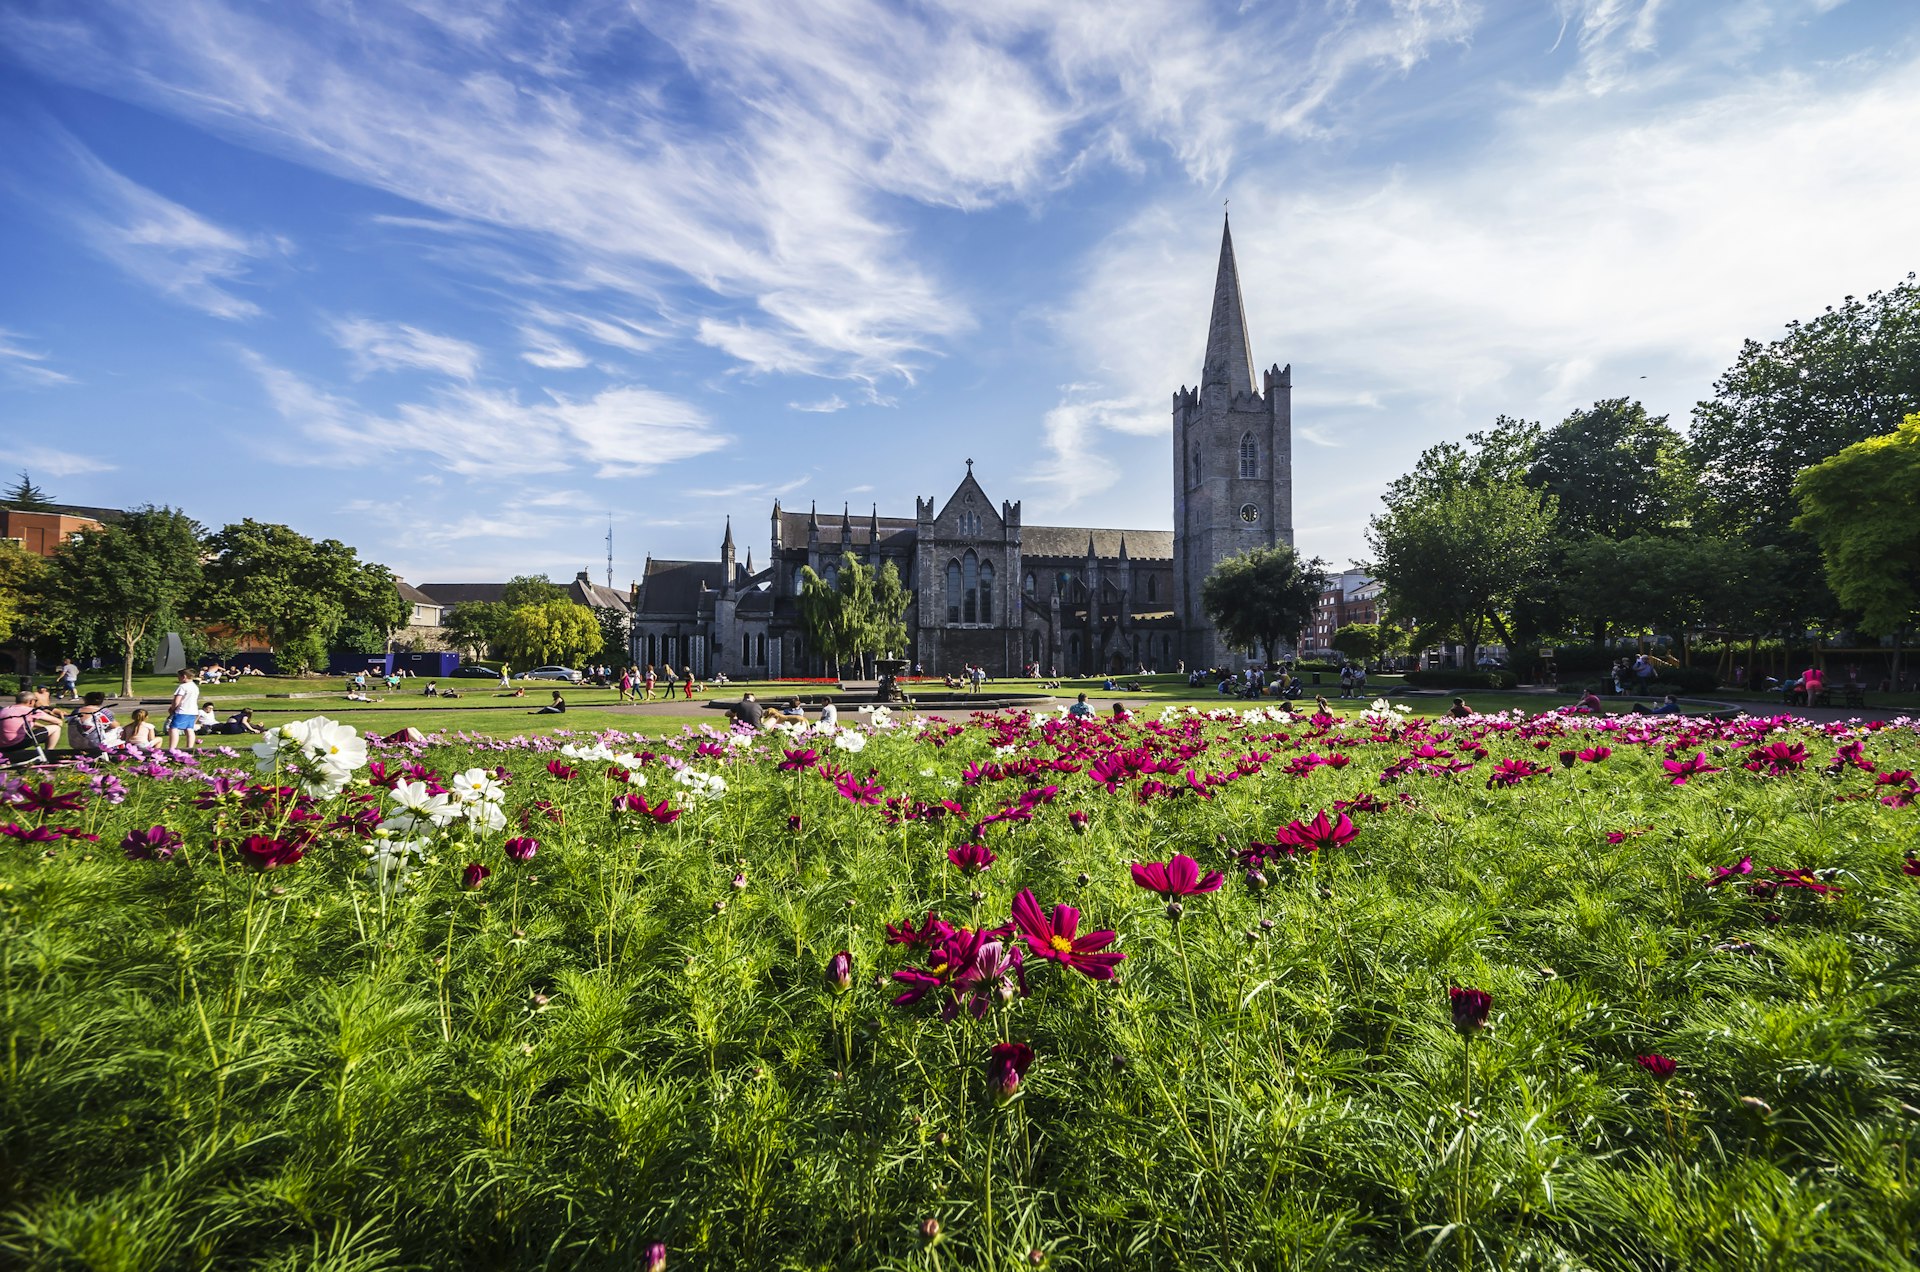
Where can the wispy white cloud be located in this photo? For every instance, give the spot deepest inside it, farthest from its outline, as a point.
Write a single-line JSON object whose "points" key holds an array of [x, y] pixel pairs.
{"points": [[390, 346], [164, 244], [549, 352], [624, 431], [825, 406], [49, 461], [743, 489], [25, 365]]}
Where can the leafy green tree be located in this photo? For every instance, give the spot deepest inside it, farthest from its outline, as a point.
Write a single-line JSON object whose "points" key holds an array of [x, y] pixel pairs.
{"points": [[1847, 375], [1360, 642], [126, 581], [1461, 551], [860, 611], [297, 592], [614, 629], [531, 589], [23, 575], [24, 496], [1614, 471], [474, 628], [557, 632], [1863, 508], [1262, 597]]}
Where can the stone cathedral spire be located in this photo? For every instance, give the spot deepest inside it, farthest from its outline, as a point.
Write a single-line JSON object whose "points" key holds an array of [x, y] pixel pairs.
{"points": [[1229, 351]]}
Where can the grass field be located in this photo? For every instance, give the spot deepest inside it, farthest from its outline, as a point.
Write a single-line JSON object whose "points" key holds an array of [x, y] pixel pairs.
{"points": [[259, 1034]]}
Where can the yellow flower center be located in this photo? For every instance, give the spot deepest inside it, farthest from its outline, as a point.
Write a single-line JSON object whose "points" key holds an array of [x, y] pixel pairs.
{"points": [[1061, 944]]}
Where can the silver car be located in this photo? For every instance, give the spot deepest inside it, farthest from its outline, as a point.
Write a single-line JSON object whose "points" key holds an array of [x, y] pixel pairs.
{"points": [[567, 674]]}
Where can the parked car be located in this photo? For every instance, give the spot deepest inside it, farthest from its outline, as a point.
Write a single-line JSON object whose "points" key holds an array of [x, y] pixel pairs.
{"points": [[474, 672], [567, 674]]}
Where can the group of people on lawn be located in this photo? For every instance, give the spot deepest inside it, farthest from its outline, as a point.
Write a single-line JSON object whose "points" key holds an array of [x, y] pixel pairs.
{"points": [[91, 729]]}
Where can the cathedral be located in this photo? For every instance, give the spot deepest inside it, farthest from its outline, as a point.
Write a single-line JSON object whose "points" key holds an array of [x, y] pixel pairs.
{"points": [[990, 590]]}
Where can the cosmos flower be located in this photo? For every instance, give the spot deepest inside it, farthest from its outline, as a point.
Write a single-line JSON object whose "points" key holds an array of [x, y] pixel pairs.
{"points": [[1179, 877], [1056, 937], [1470, 1008], [1007, 1066]]}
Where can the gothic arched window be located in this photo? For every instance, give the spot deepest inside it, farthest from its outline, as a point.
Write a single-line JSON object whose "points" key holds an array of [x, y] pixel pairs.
{"points": [[1196, 465], [969, 588], [986, 591], [799, 579], [1026, 584], [953, 591], [833, 574], [1249, 456]]}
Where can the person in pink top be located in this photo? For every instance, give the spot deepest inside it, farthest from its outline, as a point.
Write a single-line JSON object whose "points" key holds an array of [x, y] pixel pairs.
{"points": [[1812, 681]]}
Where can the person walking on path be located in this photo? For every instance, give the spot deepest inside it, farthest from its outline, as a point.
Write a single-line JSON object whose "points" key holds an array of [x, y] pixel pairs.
{"points": [[183, 714], [689, 682], [649, 683], [626, 686], [69, 680]]}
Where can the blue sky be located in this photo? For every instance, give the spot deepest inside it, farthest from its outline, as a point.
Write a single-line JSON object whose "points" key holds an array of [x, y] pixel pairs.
{"points": [[452, 280]]}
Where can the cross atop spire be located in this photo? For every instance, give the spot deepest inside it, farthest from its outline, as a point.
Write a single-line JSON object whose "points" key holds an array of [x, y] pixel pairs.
{"points": [[1229, 354]]}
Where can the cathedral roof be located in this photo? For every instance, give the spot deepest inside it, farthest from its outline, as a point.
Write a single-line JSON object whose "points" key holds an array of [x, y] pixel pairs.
{"points": [[1229, 353], [794, 527], [674, 587], [1070, 543]]}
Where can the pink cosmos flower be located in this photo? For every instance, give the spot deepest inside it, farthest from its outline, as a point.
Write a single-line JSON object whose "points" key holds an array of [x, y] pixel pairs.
{"points": [[1681, 770], [156, 843], [473, 876], [797, 760], [1595, 754], [44, 799], [562, 770], [1514, 772], [28, 834], [1078, 820], [1317, 834], [1661, 1067], [935, 929], [1721, 874], [1176, 878], [971, 858], [521, 848], [1055, 936]]}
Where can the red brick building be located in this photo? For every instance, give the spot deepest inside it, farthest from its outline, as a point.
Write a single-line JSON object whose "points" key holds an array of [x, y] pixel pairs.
{"points": [[1350, 598], [43, 531]]}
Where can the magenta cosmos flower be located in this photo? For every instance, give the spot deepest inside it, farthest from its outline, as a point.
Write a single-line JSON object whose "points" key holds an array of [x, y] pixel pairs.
{"points": [[156, 843], [1680, 770], [840, 972], [1055, 936], [1470, 1008], [972, 858], [1514, 772], [473, 876], [1321, 832], [265, 853], [521, 849], [1179, 877]]}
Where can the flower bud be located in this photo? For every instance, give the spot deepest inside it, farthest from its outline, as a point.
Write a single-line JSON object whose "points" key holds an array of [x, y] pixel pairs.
{"points": [[1470, 1009], [1084, 879], [739, 882], [473, 876], [1266, 925], [1175, 910], [930, 1229], [656, 1258], [1256, 879], [840, 972]]}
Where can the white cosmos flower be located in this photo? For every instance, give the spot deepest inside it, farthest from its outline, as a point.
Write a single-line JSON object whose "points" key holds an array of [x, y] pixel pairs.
{"points": [[848, 740], [882, 718], [486, 815], [475, 785]]}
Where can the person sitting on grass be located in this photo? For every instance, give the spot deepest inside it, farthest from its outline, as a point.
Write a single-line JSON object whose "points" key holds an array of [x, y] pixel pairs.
{"points": [[1080, 710], [139, 730], [1120, 711], [450, 693], [431, 691], [1459, 710], [557, 707], [88, 724], [1591, 702], [1669, 705], [747, 712], [240, 721]]}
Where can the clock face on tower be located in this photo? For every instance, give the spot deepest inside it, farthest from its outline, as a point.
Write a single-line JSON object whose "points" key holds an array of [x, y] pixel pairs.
{"points": [[1249, 513]]}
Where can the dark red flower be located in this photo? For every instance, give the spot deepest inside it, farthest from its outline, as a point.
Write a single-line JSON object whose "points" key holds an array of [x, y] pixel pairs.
{"points": [[1470, 1008], [44, 799], [1661, 1067], [1595, 754], [655, 1259], [1078, 820], [795, 761], [1514, 772], [1007, 1064], [1802, 878], [28, 834], [521, 848], [1569, 758], [156, 843], [971, 858], [265, 853], [933, 930], [793, 823], [1911, 866], [473, 876], [1176, 878], [1055, 936], [562, 770]]}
